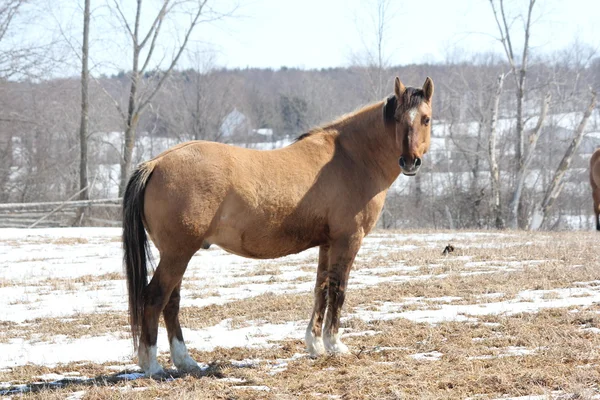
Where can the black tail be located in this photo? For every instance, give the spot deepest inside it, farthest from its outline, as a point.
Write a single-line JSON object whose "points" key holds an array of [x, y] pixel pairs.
{"points": [[136, 246]]}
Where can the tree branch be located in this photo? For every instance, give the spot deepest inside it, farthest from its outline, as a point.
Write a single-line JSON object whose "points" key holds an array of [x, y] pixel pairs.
{"points": [[166, 74], [124, 20]]}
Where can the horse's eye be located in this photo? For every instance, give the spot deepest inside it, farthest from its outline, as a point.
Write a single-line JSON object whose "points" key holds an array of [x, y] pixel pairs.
{"points": [[426, 121]]}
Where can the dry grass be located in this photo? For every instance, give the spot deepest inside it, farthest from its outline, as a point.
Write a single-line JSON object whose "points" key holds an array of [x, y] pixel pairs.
{"points": [[76, 326], [267, 307], [490, 357], [68, 241]]}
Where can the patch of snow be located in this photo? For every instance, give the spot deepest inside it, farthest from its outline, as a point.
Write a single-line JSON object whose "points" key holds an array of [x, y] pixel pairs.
{"points": [[247, 363], [61, 350], [526, 301], [127, 367], [430, 356], [50, 377], [592, 329], [233, 380], [259, 388], [361, 333]]}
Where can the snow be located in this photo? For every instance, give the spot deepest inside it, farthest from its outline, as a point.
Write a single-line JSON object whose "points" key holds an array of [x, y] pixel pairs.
{"points": [[526, 301], [430, 356], [62, 350]]}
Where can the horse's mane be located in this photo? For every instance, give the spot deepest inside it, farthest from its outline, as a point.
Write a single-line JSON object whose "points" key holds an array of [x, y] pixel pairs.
{"points": [[333, 123], [411, 98], [304, 135]]}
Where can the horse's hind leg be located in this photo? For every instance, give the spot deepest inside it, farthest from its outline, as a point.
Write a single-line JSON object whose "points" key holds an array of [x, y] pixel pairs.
{"points": [[167, 276], [341, 256], [179, 353], [314, 331]]}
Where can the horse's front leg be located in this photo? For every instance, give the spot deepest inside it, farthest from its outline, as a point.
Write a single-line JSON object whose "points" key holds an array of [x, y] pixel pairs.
{"points": [[341, 256], [314, 331]]}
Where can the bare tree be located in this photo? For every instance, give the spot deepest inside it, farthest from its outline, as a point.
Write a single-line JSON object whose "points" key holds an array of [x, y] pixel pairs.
{"points": [[374, 58], [8, 11], [555, 187], [85, 106], [494, 172], [146, 42], [519, 70], [534, 134]]}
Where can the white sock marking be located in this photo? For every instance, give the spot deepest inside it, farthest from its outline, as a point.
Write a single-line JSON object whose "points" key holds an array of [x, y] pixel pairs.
{"points": [[181, 357], [314, 343], [334, 345], [147, 360]]}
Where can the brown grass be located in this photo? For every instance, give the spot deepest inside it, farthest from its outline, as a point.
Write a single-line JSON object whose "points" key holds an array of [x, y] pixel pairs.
{"points": [[77, 326]]}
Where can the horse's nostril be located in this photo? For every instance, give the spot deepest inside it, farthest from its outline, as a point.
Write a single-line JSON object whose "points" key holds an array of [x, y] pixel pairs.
{"points": [[417, 162], [402, 162]]}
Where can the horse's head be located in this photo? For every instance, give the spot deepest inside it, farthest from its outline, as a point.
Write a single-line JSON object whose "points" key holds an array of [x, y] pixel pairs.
{"points": [[409, 109]]}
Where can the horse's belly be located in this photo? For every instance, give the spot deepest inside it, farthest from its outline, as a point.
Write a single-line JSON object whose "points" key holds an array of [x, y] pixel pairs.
{"points": [[261, 248], [263, 242]]}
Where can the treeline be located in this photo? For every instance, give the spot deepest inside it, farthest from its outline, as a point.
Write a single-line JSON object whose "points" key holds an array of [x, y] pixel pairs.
{"points": [[39, 126]]}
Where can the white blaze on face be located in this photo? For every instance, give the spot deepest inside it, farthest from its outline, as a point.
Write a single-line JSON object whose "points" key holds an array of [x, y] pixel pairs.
{"points": [[412, 113]]}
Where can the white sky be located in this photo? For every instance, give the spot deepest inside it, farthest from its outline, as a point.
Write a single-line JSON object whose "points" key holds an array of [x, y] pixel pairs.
{"points": [[323, 33]]}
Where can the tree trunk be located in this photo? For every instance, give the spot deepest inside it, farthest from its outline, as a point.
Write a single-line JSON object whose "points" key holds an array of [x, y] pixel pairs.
{"points": [[132, 121], [494, 172], [522, 171], [83, 128], [127, 152], [520, 147], [541, 212]]}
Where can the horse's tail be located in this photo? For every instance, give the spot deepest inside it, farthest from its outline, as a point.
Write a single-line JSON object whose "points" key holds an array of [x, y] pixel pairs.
{"points": [[135, 245]]}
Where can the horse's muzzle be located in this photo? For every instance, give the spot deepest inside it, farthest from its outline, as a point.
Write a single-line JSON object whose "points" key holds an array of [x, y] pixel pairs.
{"points": [[408, 168]]}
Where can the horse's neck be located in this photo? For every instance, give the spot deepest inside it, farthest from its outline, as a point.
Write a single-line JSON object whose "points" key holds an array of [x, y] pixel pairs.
{"points": [[365, 137]]}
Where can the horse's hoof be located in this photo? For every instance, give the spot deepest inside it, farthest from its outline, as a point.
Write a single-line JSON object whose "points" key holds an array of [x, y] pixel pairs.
{"points": [[334, 345], [338, 348], [316, 350], [188, 365], [314, 344], [157, 372]]}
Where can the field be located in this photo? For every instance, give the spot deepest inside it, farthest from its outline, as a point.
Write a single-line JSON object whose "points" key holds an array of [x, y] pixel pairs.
{"points": [[505, 315]]}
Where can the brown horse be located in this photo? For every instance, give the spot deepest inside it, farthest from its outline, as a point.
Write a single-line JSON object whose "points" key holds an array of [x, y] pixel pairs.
{"points": [[326, 189], [595, 182]]}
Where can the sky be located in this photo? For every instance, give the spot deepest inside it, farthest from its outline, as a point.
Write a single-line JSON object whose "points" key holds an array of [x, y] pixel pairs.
{"points": [[317, 33], [326, 33]]}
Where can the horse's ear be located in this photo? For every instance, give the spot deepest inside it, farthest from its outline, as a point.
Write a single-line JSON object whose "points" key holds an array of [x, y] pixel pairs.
{"points": [[399, 88], [428, 89], [389, 108]]}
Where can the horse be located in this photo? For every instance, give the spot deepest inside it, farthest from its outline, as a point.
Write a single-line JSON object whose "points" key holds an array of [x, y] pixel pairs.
{"points": [[595, 182], [326, 189]]}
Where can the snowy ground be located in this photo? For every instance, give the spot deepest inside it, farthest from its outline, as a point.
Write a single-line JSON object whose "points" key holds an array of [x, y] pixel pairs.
{"points": [[63, 305]]}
